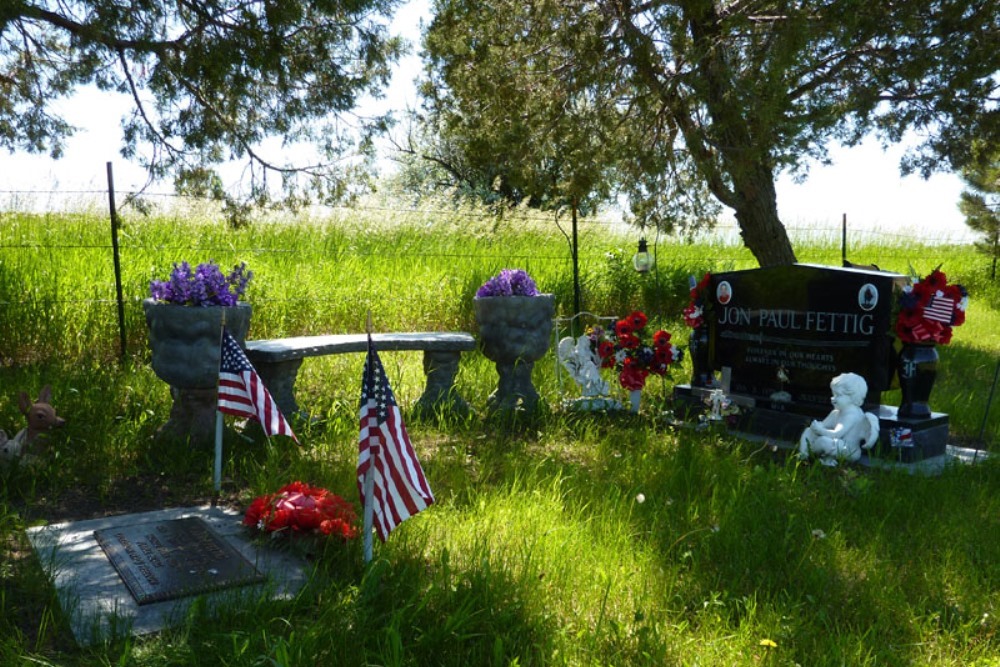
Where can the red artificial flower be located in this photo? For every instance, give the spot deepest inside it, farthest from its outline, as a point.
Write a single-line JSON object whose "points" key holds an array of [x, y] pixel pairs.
{"points": [[629, 341], [632, 377], [692, 320], [302, 509], [936, 280], [638, 320], [624, 328], [661, 339], [923, 290], [278, 520], [258, 509], [606, 349], [664, 355]]}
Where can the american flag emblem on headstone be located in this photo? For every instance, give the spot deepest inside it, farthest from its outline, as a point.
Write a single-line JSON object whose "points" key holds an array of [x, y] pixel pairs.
{"points": [[940, 309], [901, 437]]}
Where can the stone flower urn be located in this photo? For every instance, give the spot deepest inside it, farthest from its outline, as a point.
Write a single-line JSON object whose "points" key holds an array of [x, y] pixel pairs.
{"points": [[186, 346], [514, 333]]}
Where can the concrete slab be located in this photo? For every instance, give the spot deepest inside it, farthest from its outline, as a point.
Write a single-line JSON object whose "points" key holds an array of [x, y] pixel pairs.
{"points": [[97, 601]]}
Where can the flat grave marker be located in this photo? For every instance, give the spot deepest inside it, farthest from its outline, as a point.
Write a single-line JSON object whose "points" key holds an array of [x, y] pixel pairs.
{"points": [[166, 560], [100, 605]]}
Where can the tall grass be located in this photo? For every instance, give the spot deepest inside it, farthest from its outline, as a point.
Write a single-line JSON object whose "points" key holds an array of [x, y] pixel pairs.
{"points": [[564, 540]]}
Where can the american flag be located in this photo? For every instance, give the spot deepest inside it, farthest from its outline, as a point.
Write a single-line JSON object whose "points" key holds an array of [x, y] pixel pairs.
{"points": [[940, 309], [901, 437], [242, 393], [400, 489]]}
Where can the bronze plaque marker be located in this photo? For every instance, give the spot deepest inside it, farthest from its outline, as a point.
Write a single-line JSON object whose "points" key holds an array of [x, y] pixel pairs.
{"points": [[165, 560]]}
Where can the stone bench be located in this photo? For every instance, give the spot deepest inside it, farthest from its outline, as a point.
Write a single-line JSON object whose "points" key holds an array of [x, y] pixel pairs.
{"points": [[278, 360]]}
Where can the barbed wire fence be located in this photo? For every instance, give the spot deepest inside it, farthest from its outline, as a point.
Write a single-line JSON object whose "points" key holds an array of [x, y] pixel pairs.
{"points": [[878, 246], [861, 245]]}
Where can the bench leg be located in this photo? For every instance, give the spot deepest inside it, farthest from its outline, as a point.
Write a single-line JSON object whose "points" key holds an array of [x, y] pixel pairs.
{"points": [[440, 393], [279, 378]]}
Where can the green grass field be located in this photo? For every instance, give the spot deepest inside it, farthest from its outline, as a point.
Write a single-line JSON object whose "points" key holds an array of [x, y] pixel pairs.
{"points": [[538, 550]]}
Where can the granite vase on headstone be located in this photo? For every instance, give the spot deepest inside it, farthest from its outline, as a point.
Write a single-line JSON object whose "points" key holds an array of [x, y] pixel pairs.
{"points": [[186, 351], [916, 370], [514, 333], [701, 365]]}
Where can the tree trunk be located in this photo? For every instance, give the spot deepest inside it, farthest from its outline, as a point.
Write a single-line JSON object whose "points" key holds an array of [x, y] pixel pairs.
{"points": [[757, 215]]}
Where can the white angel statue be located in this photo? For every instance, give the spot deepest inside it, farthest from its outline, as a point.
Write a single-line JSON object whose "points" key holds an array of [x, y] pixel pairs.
{"points": [[847, 429], [584, 365]]}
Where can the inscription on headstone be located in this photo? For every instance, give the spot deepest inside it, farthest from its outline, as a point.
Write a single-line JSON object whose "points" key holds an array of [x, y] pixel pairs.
{"points": [[165, 560], [785, 332]]}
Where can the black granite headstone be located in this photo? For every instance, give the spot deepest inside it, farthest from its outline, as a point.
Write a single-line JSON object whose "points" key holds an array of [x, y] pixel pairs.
{"points": [[165, 560], [781, 334]]}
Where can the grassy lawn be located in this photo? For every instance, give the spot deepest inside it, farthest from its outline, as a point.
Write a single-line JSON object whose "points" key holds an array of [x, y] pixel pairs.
{"points": [[559, 540]]}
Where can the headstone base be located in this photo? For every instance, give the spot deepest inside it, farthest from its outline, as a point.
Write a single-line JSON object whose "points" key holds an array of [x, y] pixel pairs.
{"points": [[900, 439]]}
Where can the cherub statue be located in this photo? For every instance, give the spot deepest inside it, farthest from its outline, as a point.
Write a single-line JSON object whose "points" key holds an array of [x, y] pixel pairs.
{"points": [[847, 429], [584, 365]]}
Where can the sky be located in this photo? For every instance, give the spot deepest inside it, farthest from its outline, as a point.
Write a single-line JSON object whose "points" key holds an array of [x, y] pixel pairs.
{"points": [[862, 183]]}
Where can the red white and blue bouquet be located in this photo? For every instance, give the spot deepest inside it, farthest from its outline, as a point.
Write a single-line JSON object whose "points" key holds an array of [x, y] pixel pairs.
{"points": [[694, 314], [624, 349], [929, 309]]}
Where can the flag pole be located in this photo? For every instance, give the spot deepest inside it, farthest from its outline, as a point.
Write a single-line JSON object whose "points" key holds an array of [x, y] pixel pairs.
{"points": [[369, 508], [217, 470]]}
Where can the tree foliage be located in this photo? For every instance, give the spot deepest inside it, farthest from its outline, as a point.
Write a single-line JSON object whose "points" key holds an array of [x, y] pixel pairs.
{"points": [[980, 203], [211, 81], [670, 100]]}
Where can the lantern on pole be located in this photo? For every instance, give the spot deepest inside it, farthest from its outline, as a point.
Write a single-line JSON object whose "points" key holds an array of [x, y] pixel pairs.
{"points": [[642, 260]]}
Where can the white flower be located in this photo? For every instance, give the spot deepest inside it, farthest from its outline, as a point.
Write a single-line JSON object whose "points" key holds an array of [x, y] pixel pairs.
{"points": [[818, 534], [640, 498]]}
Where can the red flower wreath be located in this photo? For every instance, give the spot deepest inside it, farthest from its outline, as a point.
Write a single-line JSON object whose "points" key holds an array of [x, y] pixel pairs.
{"points": [[929, 309], [299, 508]]}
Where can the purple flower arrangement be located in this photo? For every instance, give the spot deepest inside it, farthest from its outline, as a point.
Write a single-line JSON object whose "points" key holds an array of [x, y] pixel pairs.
{"points": [[509, 282], [205, 285]]}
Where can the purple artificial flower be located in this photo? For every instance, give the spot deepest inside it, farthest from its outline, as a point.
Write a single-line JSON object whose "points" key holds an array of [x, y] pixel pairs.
{"points": [[509, 282], [206, 285]]}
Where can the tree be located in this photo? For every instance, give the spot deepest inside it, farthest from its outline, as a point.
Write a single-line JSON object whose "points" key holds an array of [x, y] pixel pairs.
{"points": [[981, 202], [520, 124], [210, 81], [709, 96]]}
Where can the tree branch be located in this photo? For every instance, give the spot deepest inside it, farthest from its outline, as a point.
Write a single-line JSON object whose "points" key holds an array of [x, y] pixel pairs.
{"points": [[91, 33]]}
